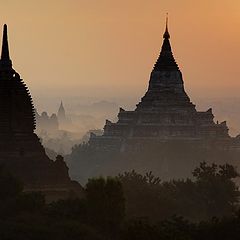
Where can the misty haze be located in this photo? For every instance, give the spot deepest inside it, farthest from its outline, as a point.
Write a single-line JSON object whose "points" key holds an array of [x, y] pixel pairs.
{"points": [[119, 120]]}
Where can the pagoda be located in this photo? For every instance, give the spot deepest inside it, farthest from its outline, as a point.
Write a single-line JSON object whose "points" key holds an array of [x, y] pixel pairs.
{"points": [[165, 113], [20, 149], [17, 122], [61, 113]]}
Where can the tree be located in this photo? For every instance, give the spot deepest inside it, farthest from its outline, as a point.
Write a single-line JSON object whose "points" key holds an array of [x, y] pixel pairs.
{"points": [[74, 209], [211, 193], [217, 192], [105, 201]]}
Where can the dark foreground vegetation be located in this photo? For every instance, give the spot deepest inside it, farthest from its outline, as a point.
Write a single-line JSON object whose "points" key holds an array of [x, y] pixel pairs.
{"points": [[128, 207]]}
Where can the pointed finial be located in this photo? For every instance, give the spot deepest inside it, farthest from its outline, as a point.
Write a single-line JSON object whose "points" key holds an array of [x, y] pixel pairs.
{"points": [[5, 49], [166, 34]]}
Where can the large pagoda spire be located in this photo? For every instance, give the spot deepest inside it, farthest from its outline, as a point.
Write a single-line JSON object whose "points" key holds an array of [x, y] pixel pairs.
{"points": [[166, 60], [166, 86], [5, 58], [16, 107]]}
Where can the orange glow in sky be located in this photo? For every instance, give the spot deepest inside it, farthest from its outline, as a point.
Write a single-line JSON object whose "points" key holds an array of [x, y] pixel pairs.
{"points": [[107, 48]]}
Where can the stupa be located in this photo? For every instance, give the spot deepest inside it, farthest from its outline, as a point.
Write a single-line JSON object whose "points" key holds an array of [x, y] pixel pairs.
{"points": [[21, 151]]}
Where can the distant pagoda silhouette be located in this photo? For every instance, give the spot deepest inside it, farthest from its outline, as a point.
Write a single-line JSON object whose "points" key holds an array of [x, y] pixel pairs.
{"points": [[20, 149], [61, 113], [164, 113]]}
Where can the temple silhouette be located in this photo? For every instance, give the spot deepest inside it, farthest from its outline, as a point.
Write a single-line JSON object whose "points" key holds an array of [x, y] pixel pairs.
{"points": [[164, 134], [164, 113], [61, 113], [20, 149]]}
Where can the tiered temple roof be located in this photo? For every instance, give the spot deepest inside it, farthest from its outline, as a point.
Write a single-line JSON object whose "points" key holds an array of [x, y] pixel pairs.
{"points": [[164, 113]]}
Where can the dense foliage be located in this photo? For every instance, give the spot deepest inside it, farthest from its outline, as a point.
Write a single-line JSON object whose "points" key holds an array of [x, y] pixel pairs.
{"points": [[128, 207], [211, 192]]}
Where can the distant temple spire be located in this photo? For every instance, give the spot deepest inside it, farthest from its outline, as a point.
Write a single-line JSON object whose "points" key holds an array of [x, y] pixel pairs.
{"points": [[61, 113], [5, 58], [61, 105], [166, 60]]}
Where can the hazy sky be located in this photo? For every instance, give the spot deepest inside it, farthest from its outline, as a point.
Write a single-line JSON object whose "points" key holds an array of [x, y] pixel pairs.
{"points": [[107, 48]]}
